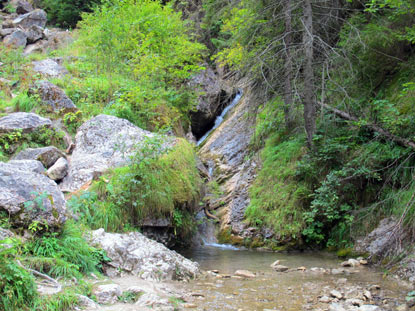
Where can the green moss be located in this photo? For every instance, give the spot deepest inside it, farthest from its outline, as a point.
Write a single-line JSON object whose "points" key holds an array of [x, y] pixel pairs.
{"points": [[276, 197]]}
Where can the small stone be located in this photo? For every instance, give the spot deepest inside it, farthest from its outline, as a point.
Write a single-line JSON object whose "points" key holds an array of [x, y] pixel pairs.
{"points": [[402, 308], [87, 302], [197, 295], [275, 263], [325, 299], [336, 307], [354, 302], [189, 306], [244, 273], [301, 269], [280, 268], [108, 293], [363, 262], [341, 281], [367, 294], [336, 294], [58, 170]]}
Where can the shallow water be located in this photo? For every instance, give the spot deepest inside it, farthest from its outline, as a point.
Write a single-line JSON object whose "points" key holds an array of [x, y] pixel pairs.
{"points": [[279, 291]]}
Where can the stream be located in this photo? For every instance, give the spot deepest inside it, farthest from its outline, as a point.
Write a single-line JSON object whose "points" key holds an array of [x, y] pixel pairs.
{"points": [[288, 291]]}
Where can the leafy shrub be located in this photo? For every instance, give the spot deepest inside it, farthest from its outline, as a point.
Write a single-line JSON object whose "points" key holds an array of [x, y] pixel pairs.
{"points": [[67, 13], [66, 254], [155, 184], [17, 286], [149, 44]]}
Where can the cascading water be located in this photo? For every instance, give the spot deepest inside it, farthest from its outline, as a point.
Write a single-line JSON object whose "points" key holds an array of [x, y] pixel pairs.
{"points": [[221, 117]]}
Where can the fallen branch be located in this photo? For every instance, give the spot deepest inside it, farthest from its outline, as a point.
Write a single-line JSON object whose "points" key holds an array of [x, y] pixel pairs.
{"points": [[344, 115], [43, 276]]}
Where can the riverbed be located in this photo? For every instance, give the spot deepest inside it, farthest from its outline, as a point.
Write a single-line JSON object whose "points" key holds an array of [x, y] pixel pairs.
{"points": [[294, 290]]}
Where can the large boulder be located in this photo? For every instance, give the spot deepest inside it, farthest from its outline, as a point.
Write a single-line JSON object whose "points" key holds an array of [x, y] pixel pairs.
{"points": [[37, 17], [135, 254], [212, 100], [29, 165], [101, 143], [24, 121], [28, 196], [34, 33], [54, 97], [50, 68], [17, 38], [46, 155], [21, 7]]}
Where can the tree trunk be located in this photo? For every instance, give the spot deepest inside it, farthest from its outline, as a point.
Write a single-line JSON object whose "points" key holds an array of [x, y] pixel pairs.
{"points": [[288, 67], [309, 99]]}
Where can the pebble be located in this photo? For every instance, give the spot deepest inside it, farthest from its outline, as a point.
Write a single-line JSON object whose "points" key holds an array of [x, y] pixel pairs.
{"points": [[189, 306], [244, 274], [325, 299], [336, 294]]}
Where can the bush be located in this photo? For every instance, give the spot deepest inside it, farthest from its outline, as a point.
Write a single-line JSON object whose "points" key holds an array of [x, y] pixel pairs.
{"points": [[148, 44], [156, 185], [17, 286], [67, 13]]}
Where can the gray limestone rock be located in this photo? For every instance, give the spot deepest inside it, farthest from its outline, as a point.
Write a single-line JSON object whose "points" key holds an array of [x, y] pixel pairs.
{"points": [[37, 17], [17, 38], [135, 254], [59, 170], [34, 33], [27, 122], [47, 155], [53, 97], [103, 142], [50, 68], [29, 196]]}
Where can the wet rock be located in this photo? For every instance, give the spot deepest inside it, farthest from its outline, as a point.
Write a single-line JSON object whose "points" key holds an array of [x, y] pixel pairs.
{"points": [[104, 142], [84, 301], [280, 268], [16, 39], [350, 263], [29, 165], [337, 271], [54, 97], [318, 270], [367, 295], [19, 188], [245, 274], [336, 294], [369, 308], [107, 293], [378, 240], [135, 254], [27, 122], [46, 155], [37, 17], [50, 68], [34, 33], [212, 99], [325, 299], [336, 307], [363, 262], [58, 170]]}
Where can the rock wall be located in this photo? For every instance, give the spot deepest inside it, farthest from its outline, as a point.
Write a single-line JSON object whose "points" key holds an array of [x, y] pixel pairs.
{"points": [[225, 153]]}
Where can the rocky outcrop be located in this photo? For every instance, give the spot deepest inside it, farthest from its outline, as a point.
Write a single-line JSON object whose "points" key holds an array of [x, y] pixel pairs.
{"points": [[213, 98], [103, 142], [24, 121], [28, 196], [21, 7], [107, 293], [29, 165], [53, 97], [49, 68], [17, 38], [46, 155], [37, 17], [224, 153], [133, 253]]}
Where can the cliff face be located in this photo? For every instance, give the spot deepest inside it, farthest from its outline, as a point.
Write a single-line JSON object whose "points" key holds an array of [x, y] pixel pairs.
{"points": [[225, 153]]}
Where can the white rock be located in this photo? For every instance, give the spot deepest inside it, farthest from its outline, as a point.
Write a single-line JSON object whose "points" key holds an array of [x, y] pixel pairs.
{"points": [[336, 294], [58, 170], [245, 273], [107, 293], [369, 308]]}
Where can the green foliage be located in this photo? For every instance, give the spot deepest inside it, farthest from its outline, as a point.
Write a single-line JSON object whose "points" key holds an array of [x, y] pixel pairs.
{"points": [[17, 286], [158, 183], [72, 121], [67, 13], [23, 102], [277, 197], [141, 54], [65, 254]]}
